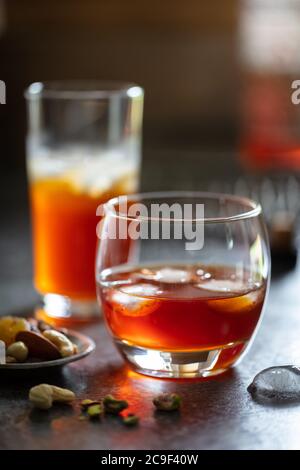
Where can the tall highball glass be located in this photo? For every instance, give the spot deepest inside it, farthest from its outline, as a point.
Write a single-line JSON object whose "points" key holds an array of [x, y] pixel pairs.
{"points": [[83, 148]]}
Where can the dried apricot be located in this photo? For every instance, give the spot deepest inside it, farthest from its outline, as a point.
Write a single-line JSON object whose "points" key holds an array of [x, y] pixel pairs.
{"points": [[10, 327]]}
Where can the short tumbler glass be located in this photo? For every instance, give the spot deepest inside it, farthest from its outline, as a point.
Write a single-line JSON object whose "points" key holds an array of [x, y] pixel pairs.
{"points": [[83, 148], [182, 279]]}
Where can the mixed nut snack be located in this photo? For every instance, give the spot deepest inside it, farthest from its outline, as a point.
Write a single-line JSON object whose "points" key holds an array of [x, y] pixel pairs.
{"points": [[29, 340], [43, 396]]}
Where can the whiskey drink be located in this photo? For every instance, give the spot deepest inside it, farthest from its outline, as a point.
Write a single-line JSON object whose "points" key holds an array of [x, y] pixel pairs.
{"points": [[180, 310]]}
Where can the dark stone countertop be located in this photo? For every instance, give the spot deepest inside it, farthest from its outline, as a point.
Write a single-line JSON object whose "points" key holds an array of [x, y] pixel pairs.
{"points": [[216, 413]]}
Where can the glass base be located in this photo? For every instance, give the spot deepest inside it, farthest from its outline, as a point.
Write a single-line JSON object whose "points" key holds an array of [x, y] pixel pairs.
{"points": [[177, 365], [60, 308]]}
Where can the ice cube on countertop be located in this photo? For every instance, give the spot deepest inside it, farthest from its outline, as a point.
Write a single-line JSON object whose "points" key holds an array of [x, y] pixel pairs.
{"points": [[281, 383]]}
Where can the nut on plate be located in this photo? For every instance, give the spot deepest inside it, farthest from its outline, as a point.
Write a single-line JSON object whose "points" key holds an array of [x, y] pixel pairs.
{"points": [[62, 342], [42, 325], [39, 346], [10, 360], [43, 395], [18, 351], [167, 402], [10, 327]]}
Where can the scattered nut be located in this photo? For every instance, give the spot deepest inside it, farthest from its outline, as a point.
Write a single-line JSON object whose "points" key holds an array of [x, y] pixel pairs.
{"points": [[95, 411], [63, 395], [18, 350], [38, 346], [130, 419], [43, 395], [64, 345], [114, 406], [86, 403], [82, 418], [167, 402]]}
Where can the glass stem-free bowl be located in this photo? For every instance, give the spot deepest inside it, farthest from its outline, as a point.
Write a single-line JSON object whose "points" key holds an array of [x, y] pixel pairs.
{"points": [[182, 279]]}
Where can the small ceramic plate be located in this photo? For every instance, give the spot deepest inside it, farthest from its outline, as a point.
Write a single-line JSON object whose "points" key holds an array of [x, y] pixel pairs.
{"points": [[85, 346]]}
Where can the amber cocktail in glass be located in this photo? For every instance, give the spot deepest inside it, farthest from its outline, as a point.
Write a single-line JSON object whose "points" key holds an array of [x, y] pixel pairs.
{"points": [[83, 149], [178, 312]]}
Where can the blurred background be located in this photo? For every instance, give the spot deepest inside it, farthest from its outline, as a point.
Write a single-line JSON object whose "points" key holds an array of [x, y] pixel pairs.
{"points": [[217, 77], [182, 53], [217, 74]]}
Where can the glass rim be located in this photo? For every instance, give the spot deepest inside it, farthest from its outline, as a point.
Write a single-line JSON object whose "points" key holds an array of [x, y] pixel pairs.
{"points": [[82, 89], [255, 208]]}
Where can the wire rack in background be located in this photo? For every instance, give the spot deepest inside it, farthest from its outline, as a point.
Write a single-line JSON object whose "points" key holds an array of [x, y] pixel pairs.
{"points": [[279, 197]]}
